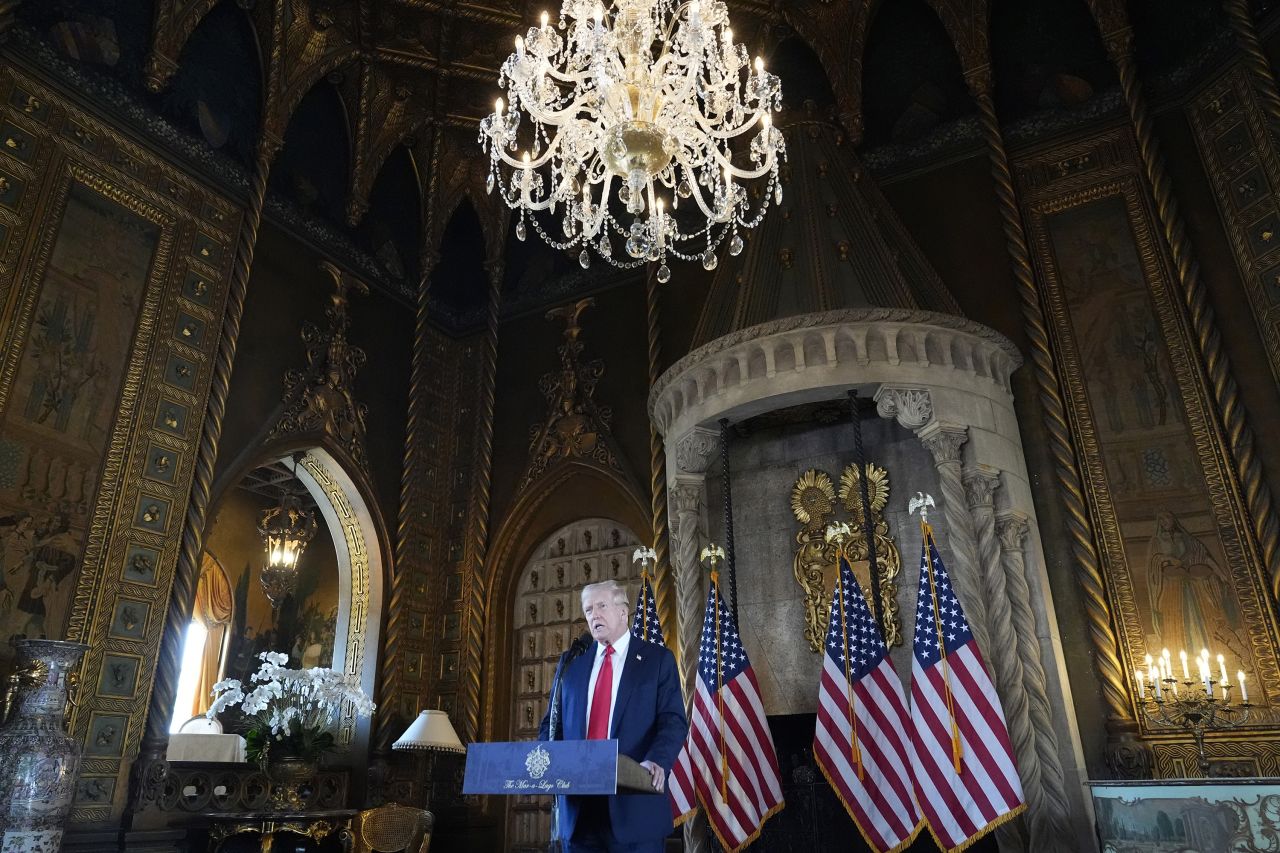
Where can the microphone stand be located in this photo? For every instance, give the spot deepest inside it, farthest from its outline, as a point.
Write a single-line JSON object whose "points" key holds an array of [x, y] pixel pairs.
{"points": [[576, 648]]}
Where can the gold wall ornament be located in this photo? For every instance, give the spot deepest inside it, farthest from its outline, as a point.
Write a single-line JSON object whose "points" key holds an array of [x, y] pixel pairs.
{"points": [[888, 559], [320, 398], [575, 426], [813, 502]]}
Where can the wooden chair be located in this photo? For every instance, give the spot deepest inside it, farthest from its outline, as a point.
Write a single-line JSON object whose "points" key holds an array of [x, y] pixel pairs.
{"points": [[391, 828]]}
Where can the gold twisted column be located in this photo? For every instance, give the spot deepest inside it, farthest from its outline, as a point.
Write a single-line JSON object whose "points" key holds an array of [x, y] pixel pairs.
{"points": [[1079, 524], [413, 476], [687, 503], [663, 581], [183, 592], [1240, 439], [1254, 59], [474, 586]]}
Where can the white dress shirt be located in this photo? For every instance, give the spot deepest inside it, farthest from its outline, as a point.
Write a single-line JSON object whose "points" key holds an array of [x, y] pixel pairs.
{"points": [[619, 659]]}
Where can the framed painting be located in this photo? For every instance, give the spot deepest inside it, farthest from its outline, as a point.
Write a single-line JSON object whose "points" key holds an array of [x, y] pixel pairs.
{"points": [[1181, 566]]}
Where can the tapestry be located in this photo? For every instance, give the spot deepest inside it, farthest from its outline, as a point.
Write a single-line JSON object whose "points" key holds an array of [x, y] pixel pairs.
{"points": [[1183, 591], [58, 414]]}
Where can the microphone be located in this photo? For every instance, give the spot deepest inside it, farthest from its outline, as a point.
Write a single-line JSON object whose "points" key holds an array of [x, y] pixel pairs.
{"points": [[577, 647]]}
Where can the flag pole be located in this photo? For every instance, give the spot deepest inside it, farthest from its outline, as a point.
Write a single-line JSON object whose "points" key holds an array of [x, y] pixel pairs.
{"points": [[855, 753], [868, 523], [927, 530], [724, 755]]}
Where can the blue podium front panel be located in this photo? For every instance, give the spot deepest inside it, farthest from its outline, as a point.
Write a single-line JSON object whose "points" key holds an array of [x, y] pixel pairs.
{"points": [[538, 767]]}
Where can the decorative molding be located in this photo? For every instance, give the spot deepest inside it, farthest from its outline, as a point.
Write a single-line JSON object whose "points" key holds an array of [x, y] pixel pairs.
{"points": [[1115, 589], [575, 426], [320, 398], [944, 442], [911, 407], [695, 450], [809, 354]]}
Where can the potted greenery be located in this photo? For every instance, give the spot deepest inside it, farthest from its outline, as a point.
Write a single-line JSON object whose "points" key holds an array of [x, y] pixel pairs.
{"points": [[291, 715]]}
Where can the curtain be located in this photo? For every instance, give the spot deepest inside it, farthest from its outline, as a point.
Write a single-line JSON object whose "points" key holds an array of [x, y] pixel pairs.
{"points": [[213, 610]]}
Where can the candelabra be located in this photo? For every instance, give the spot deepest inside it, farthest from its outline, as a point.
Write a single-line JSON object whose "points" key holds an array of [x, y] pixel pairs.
{"points": [[1196, 705]]}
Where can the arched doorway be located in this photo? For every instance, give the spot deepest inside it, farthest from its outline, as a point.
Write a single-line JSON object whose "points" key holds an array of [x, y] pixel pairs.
{"points": [[547, 615], [334, 616]]}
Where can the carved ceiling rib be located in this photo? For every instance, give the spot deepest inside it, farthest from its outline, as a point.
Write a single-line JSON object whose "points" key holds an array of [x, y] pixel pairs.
{"points": [[967, 25], [174, 23], [409, 64]]}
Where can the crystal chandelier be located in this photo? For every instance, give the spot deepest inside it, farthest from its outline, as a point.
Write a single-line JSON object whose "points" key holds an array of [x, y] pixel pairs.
{"points": [[653, 95]]}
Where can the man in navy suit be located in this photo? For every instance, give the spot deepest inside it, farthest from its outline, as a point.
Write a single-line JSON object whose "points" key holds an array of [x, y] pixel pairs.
{"points": [[625, 688]]}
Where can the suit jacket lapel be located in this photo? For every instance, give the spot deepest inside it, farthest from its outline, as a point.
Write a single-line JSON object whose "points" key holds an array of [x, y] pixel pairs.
{"points": [[576, 679], [631, 676]]}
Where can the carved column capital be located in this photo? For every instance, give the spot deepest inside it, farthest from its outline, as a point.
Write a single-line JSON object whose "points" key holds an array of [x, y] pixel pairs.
{"points": [[695, 450], [1012, 528], [911, 407], [687, 494], [980, 484], [944, 441]]}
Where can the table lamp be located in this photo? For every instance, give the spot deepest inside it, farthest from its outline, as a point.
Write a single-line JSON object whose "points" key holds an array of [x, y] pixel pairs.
{"points": [[430, 732]]}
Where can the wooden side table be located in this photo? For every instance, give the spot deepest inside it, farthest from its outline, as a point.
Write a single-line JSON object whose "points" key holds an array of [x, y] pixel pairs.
{"points": [[316, 825]]}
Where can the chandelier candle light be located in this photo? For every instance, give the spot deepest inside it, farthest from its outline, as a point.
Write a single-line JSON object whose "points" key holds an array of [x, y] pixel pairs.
{"points": [[1197, 704], [652, 95]]}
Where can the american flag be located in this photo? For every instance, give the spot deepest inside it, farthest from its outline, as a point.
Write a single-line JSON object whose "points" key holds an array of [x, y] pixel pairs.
{"points": [[966, 781], [645, 624], [860, 743], [728, 764]]}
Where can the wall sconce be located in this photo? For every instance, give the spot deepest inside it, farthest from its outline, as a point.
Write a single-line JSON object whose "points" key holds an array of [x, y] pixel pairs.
{"points": [[286, 530]]}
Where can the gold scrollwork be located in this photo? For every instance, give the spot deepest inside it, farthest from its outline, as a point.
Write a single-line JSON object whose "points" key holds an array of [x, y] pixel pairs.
{"points": [[888, 560], [813, 502]]}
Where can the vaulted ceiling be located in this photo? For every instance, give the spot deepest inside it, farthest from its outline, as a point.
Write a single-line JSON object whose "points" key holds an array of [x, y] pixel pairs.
{"points": [[329, 95]]}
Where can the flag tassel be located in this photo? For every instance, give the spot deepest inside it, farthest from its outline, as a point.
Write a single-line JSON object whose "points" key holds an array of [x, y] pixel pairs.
{"points": [[957, 753]]}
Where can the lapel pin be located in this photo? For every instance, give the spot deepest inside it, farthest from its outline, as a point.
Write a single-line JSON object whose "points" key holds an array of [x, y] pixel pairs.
{"points": [[639, 657]]}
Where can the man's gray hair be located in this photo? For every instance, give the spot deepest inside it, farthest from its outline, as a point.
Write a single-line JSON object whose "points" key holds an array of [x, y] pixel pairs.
{"points": [[619, 591]]}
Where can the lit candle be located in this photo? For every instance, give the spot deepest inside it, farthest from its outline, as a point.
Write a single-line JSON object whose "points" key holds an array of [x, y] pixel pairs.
{"points": [[545, 20], [497, 107], [1186, 676], [520, 47], [1222, 668], [1244, 691], [1204, 674], [1142, 687]]}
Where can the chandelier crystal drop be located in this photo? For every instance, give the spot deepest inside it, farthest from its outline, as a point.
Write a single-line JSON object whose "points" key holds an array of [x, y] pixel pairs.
{"points": [[647, 106]]}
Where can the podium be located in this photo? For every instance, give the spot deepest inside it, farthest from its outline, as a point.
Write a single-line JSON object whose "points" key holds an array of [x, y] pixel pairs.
{"points": [[558, 767]]}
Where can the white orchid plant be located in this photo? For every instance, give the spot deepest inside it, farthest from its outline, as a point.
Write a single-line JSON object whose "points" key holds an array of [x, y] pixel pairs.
{"points": [[292, 712]]}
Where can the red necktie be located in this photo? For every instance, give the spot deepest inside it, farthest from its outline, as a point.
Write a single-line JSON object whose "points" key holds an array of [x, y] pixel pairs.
{"points": [[598, 725]]}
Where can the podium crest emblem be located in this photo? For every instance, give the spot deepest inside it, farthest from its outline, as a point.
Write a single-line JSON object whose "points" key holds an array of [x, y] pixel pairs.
{"points": [[537, 762]]}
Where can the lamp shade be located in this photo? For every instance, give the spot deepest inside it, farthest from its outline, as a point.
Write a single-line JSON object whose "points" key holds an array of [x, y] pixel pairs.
{"points": [[431, 730]]}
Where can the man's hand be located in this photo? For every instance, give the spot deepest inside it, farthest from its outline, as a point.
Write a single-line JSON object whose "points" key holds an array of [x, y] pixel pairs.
{"points": [[659, 775]]}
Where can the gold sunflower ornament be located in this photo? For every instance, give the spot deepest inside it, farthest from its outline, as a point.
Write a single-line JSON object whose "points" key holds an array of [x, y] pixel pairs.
{"points": [[813, 499]]}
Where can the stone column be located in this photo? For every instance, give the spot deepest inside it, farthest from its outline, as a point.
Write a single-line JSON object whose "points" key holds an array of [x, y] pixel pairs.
{"points": [[982, 505], [980, 482], [1051, 827], [946, 442], [688, 512]]}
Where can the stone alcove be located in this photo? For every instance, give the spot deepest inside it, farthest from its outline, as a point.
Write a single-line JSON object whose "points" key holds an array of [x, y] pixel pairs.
{"points": [[830, 296]]}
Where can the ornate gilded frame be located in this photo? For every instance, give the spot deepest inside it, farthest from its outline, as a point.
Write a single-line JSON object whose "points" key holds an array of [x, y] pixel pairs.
{"points": [[49, 145], [1065, 178]]}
